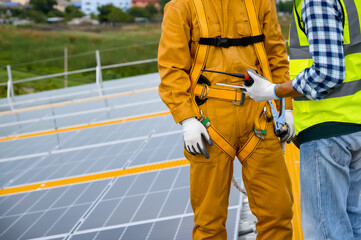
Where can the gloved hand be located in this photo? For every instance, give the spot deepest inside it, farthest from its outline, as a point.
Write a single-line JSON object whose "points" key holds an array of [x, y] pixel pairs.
{"points": [[262, 89], [287, 137], [193, 130]]}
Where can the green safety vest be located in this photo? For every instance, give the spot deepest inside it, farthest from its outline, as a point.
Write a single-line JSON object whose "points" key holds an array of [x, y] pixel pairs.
{"points": [[344, 103]]}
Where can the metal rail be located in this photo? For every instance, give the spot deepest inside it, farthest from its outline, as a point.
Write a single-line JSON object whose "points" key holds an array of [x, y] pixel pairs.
{"points": [[98, 76]]}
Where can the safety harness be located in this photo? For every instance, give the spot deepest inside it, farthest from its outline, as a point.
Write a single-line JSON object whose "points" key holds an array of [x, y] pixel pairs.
{"points": [[230, 42], [203, 90]]}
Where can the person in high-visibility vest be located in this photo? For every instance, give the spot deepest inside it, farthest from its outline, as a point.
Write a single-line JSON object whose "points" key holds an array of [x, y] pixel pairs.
{"points": [[219, 122], [325, 64]]}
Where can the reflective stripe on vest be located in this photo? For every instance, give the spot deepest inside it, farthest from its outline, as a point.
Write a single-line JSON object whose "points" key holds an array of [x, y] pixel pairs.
{"points": [[344, 103]]}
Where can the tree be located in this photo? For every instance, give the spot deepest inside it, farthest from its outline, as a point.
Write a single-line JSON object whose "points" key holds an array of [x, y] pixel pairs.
{"points": [[139, 12], [44, 6], [16, 12], [36, 16], [286, 6], [117, 15], [151, 9], [104, 11], [72, 12], [162, 3], [55, 13]]}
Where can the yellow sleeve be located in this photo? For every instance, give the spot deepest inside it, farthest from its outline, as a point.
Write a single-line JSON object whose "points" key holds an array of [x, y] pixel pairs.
{"points": [[175, 60], [275, 46]]}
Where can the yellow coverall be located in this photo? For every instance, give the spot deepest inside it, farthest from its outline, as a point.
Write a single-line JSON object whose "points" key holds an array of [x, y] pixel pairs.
{"points": [[264, 173]]}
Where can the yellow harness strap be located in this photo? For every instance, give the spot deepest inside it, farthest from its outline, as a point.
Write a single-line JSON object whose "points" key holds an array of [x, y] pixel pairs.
{"points": [[255, 29], [254, 141], [259, 47], [201, 52], [251, 145], [221, 142], [198, 65], [205, 91]]}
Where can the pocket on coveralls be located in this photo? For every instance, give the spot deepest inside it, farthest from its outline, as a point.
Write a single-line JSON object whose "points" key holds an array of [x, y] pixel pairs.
{"points": [[243, 28], [215, 53]]}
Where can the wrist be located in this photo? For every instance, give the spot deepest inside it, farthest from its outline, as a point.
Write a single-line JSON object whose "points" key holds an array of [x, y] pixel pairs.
{"points": [[274, 91], [187, 121]]}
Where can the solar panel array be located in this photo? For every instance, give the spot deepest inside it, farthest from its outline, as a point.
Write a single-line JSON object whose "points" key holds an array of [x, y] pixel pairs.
{"points": [[81, 133]]}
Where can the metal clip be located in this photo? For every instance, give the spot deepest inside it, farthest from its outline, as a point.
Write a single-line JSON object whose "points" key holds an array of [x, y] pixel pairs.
{"points": [[202, 116], [202, 96], [266, 113], [278, 117], [259, 133], [203, 120], [237, 89], [240, 103]]}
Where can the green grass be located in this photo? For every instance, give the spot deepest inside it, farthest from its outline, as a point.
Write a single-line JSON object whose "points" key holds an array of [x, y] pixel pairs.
{"points": [[26, 49]]}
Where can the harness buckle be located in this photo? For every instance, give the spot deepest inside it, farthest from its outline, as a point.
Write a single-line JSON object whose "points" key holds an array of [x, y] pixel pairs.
{"points": [[222, 42], [237, 89], [243, 96], [203, 120], [204, 89]]}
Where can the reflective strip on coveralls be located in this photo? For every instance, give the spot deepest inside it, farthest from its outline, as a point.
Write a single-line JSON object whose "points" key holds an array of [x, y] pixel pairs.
{"points": [[343, 103]]}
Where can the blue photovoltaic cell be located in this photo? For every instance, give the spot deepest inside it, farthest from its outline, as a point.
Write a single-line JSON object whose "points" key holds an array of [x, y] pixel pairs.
{"points": [[47, 212], [147, 205], [8, 118], [144, 197], [85, 161], [179, 228]]}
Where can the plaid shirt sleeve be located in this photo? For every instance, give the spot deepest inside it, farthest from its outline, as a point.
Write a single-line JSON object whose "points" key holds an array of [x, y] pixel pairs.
{"points": [[324, 30]]}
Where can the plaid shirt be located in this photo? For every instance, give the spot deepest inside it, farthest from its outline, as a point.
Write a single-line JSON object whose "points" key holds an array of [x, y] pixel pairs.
{"points": [[323, 26]]}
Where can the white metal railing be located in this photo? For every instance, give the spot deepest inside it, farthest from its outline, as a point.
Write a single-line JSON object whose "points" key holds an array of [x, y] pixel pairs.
{"points": [[98, 76], [72, 94]]}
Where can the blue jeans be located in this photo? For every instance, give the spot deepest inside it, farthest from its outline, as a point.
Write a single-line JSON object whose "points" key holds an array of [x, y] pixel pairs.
{"points": [[330, 188]]}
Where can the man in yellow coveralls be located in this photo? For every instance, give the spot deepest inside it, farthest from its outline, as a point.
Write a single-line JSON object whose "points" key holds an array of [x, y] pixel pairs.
{"points": [[230, 49]]}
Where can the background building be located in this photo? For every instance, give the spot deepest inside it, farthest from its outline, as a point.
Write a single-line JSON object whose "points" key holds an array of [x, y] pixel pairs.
{"points": [[91, 6], [62, 4], [21, 2], [144, 3]]}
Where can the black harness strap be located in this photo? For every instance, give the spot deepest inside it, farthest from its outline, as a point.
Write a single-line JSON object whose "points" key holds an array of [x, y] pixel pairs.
{"points": [[229, 42]]}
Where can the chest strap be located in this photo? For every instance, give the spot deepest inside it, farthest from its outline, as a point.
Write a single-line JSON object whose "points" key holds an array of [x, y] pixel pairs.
{"points": [[230, 42]]}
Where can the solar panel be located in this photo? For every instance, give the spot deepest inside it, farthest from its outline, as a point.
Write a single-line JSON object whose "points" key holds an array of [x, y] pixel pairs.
{"points": [[38, 213], [174, 228], [141, 201], [149, 203], [84, 111]]}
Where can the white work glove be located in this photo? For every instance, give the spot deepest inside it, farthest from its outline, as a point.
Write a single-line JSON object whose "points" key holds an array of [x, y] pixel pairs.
{"points": [[262, 89], [290, 127], [193, 130]]}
